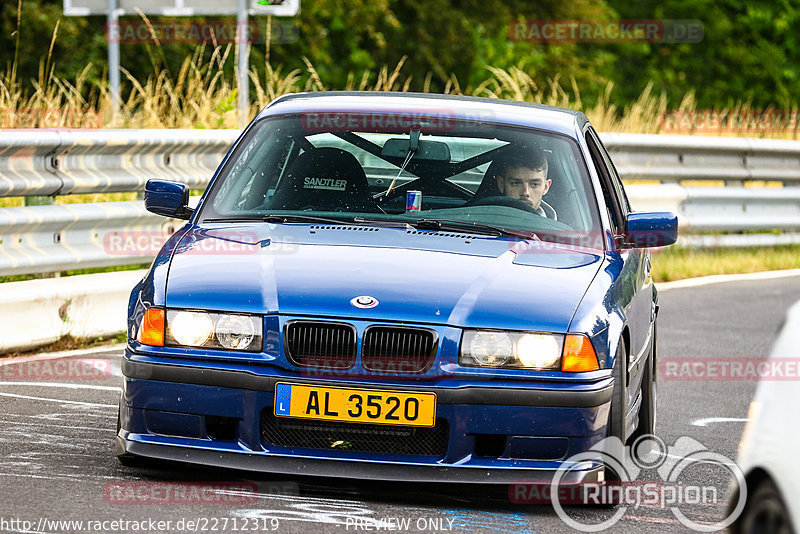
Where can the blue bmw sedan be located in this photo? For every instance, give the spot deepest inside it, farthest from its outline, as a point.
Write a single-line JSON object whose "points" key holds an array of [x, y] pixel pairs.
{"points": [[398, 287]]}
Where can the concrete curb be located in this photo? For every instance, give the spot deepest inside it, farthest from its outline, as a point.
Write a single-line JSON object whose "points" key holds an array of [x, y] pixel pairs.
{"points": [[722, 278], [37, 312]]}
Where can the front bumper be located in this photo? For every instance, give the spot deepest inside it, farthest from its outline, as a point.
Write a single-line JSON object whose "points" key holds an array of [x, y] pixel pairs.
{"points": [[165, 411]]}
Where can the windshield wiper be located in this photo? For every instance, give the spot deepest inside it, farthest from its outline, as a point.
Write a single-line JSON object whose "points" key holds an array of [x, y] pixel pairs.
{"points": [[274, 218], [380, 222], [232, 219], [344, 220], [420, 224], [477, 227]]}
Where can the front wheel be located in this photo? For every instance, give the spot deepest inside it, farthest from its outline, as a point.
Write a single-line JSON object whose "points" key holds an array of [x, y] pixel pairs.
{"points": [[647, 410], [616, 417], [619, 399], [764, 513]]}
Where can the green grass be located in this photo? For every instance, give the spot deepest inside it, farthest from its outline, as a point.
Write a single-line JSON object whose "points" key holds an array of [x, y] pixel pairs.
{"points": [[39, 276], [676, 263], [71, 343]]}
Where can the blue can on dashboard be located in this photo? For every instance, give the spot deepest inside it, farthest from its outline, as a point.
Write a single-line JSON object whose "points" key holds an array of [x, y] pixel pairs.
{"points": [[413, 201]]}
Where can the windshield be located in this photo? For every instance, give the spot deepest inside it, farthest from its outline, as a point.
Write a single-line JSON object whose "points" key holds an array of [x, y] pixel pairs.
{"points": [[428, 174]]}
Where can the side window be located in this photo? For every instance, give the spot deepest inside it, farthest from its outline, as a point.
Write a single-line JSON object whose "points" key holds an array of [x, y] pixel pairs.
{"points": [[625, 204], [610, 191]]}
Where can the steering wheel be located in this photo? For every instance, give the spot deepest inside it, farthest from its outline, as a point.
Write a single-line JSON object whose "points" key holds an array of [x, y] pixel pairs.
{"points": [[502, 200]]}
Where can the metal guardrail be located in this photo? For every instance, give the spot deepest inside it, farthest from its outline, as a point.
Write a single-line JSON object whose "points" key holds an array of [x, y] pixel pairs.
{"points": [[674, 158], [42, 163], [37, 239], [67, 162], [62, 237]]}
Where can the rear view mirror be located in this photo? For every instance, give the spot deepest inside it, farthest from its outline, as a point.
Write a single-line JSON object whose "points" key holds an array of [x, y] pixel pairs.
{"points": [[428, 150], [651, 229], [170, 199]]}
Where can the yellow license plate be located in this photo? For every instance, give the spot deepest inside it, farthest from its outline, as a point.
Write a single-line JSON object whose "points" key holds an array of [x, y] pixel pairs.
{"points": [[355, 405]]}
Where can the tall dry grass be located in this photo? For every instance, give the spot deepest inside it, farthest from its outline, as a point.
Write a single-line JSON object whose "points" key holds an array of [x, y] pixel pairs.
{"points": [[201, 95]]}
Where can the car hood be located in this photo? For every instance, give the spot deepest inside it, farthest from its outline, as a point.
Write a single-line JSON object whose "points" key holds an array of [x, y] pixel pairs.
{"points": [[416, 276]]}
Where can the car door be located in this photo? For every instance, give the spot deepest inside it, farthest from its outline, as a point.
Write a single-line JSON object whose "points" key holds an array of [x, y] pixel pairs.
{"points": [[634, 285]]}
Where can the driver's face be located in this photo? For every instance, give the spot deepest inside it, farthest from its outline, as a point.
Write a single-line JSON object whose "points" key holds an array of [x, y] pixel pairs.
{"points": [[528, 185]]}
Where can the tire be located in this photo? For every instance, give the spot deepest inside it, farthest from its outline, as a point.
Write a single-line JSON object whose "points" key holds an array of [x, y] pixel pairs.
{"points": [[619, 400], [616, 415], [764, 513], [647, 409]]}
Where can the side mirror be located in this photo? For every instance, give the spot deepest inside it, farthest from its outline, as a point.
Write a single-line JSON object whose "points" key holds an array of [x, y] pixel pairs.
{"points": [[170, 199], [651, 229]]}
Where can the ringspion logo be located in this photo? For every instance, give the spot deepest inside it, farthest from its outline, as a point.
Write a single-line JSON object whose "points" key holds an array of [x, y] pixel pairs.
{"points": [[676, 488]]}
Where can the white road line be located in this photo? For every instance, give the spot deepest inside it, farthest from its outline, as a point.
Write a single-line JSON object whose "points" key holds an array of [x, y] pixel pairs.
{"points": [[51, 425], [57, 416], [63, 354], [65, 385], [708, 420], [720, 278], [60, 401]]}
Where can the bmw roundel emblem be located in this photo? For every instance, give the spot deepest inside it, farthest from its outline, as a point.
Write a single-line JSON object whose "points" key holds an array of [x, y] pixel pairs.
{"points": [[364, 301]]}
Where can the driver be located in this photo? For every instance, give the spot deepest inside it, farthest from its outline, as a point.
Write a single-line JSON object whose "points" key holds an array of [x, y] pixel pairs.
{"points": [[524, 177]]}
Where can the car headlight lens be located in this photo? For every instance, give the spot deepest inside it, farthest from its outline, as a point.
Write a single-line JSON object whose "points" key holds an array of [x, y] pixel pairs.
{"points": [[491, 349], [214, 330], [235, 332], [538, 351], [190, 328], [521, 350]]}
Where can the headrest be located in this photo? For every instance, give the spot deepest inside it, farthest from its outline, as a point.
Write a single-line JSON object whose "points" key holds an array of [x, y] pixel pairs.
{"points": [[325, 179]]}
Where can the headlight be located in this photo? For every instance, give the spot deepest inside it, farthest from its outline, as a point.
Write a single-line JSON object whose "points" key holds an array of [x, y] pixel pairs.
{"points": [[538, 351], [235, 332], [527, 350], [214, 330], [492, 349], [190, 328]]}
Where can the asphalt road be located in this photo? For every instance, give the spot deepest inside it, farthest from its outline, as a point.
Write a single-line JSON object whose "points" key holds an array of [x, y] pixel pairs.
{"points": [[56, 461]]}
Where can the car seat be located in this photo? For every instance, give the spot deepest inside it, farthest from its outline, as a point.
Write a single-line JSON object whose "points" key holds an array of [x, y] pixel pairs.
{"points": [[324, 179]]}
